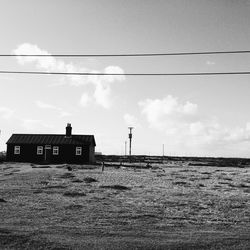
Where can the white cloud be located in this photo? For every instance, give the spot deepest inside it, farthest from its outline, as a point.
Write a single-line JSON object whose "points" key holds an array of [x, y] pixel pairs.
{"points": [[6, 78], [85, 99], [102, 94], [47, 62], [210, 63], [43, 105], [34, 124], [182, 124], [189, 108], [131, 120], [102, 91], [64, 113], [46, 106], [113, 70], [30, 124], [6, 113], [248, 126], [167, 111]]}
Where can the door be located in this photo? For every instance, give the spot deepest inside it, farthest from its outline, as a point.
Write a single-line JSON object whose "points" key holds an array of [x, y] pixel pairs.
{"points": [[47, 155]]}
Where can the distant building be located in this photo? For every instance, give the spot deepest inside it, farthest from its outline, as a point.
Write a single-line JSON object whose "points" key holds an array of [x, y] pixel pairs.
{"points": [[51, 148], [98, 153]]}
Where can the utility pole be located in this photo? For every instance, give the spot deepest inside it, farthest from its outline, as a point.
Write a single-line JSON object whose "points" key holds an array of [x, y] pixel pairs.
{"points": [[163, 152], [125, 148], [130, 141]]}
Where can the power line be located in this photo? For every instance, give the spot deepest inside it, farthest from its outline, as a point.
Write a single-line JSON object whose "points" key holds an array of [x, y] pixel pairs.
{"points": [[125, 74], [132, 54]]}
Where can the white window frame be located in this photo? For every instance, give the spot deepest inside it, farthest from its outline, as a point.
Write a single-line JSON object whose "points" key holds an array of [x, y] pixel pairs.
{"points": [[17, 150], [78, 150], [55, 150], [39, 150]]}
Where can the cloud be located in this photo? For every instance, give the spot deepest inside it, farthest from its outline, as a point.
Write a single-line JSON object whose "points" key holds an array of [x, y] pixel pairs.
{"points": [[102, 89], [34, 124], [48, 62], [210, 63], [183, 125], [30, 124], [167, 111], [189, 108], [46, 106], [6, 113], [6, 78], [43, 105], [131, 120], [102, 94], [65, 114], [85, 99], [113, 70]]}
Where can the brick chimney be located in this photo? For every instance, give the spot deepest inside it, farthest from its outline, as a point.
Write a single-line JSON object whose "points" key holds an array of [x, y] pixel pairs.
{"points": [[68, 130]]}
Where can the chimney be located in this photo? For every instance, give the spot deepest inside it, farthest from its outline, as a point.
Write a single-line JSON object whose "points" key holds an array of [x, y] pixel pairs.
{"points": [[68, 130]]}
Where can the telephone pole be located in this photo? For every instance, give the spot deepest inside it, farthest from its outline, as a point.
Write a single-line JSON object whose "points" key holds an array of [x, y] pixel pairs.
{"points": [[163, 153], [125, 149], [130, 141]]}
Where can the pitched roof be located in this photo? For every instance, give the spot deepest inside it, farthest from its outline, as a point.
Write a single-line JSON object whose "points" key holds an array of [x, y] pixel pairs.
{"points": [[52, 139]]}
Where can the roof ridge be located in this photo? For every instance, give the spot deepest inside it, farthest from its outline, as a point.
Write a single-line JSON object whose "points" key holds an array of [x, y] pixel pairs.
{"points": [[51, 134], [75, 139]]}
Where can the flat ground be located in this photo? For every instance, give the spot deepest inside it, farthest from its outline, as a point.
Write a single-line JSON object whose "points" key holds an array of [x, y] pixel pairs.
{"points": [[171, 207]]}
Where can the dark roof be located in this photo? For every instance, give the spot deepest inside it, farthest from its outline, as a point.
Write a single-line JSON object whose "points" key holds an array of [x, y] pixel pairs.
{"points": [[53, 139]]}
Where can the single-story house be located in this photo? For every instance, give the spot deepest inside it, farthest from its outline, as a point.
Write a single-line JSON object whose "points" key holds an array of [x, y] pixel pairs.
{"points": [[51, 148]]}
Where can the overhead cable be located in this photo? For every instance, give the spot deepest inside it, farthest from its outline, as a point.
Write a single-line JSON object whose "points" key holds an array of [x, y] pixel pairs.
{"points": [[125, 74], [132, 54]]}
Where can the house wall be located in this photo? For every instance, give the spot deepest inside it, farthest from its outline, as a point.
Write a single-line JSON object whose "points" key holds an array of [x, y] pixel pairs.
{"points": [[28, 153], [67, 154], [92, 154]]}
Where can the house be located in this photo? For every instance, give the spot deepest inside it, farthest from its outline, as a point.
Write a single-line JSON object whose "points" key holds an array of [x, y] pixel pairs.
{"points": [[51, 148]]}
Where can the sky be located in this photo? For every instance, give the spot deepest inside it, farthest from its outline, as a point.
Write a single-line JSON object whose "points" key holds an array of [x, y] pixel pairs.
{"points": [[189, 115]]}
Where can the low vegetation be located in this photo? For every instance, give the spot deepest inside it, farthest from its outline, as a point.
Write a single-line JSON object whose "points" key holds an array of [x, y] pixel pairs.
{"points": [[117, 187], [168, 206]]}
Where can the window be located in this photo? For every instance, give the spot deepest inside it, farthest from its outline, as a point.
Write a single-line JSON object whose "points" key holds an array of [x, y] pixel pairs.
{"points": [[55, 150], [78, 150], [39, 150], [17, 150]]}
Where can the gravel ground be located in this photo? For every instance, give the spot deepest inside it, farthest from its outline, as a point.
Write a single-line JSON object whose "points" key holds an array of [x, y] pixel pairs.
{"points": [[167, 207]]}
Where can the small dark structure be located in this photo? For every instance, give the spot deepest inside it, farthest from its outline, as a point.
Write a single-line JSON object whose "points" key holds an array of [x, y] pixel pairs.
{"points": [[51, 148]]}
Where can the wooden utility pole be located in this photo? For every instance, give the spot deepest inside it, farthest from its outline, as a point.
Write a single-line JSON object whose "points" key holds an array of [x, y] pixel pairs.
{"points": [[163, 153], [130, 141], [125, 152]]}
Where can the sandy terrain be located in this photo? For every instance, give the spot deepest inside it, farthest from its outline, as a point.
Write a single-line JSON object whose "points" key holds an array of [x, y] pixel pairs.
{"points": [[177, 207]]}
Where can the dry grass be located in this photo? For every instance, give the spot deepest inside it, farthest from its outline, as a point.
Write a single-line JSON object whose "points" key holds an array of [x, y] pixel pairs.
{"points": [[116, 187], [74, 194], [89, 180], [182, 207]]}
